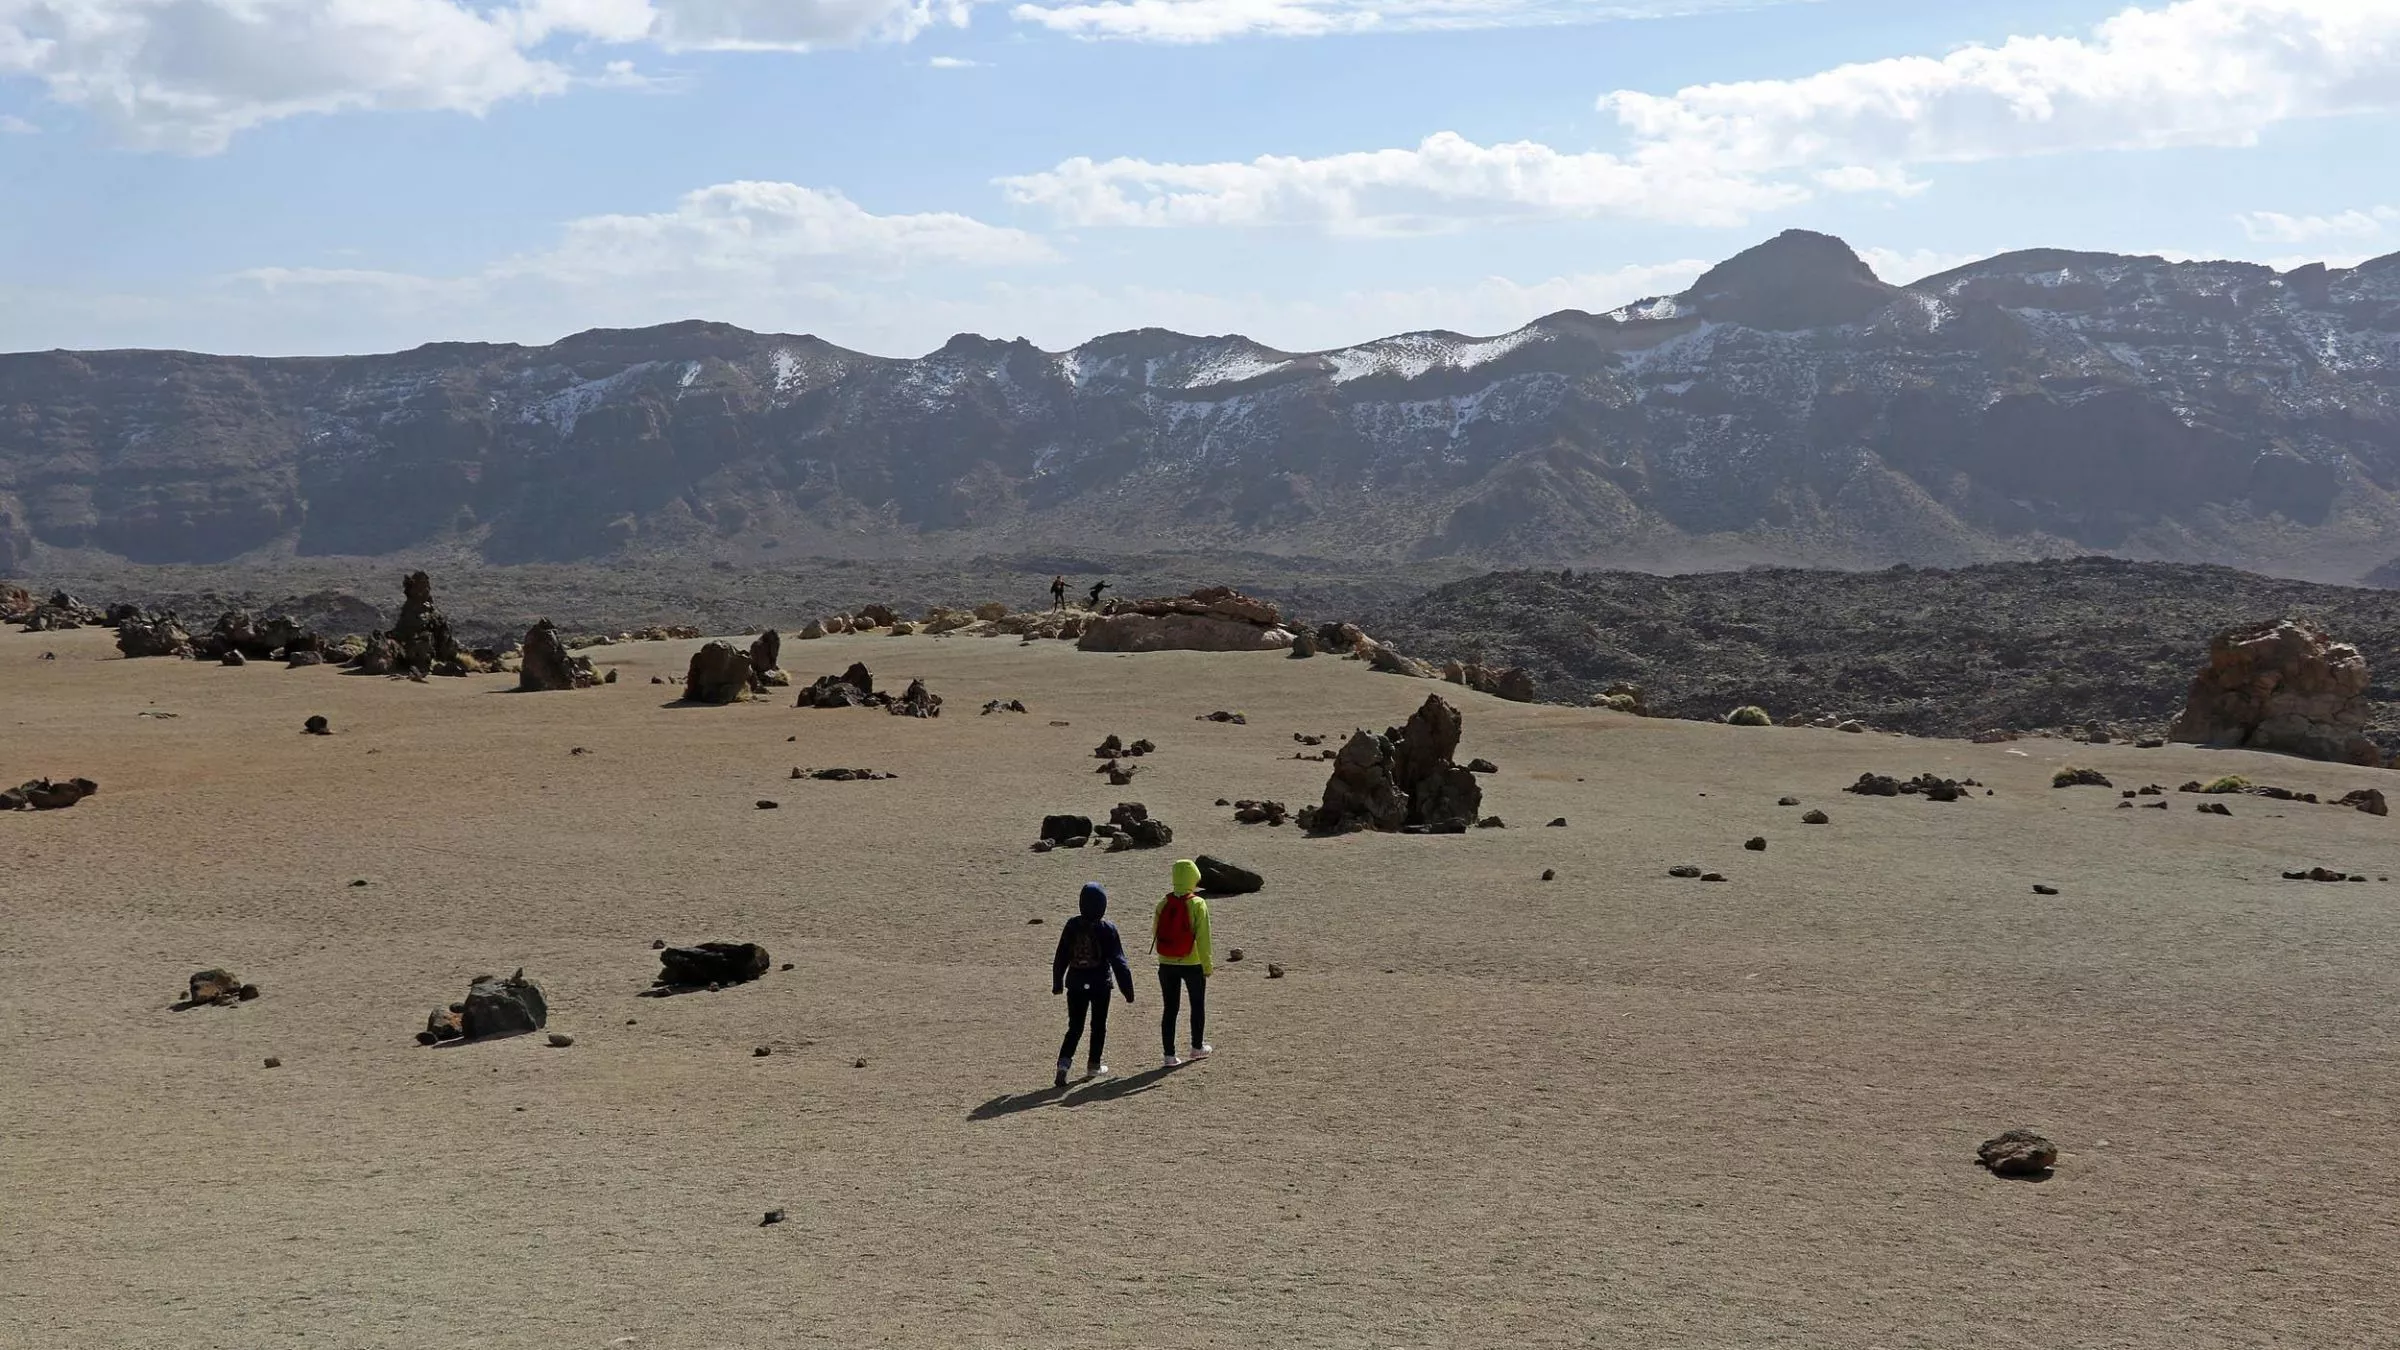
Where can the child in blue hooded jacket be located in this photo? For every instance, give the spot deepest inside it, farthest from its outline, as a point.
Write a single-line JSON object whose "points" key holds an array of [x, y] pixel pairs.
{"points": [[1089, 954]]}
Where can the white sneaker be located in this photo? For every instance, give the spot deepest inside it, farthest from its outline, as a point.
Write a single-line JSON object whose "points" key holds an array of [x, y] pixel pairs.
{"points": [[1172, 1062], [1097, 1071], [1203, 1050]]}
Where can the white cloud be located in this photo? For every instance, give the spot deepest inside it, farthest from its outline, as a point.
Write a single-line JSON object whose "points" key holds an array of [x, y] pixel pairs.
{"points": [[742, 252], [2197, 72], [13, 125], [954, 63], [189, 75], [2274, 227], [1445, 180], [1215, 20]]}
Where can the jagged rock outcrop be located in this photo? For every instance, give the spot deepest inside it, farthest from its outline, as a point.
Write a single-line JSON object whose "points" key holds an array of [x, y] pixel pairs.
{"points": [[916, 701], [2281, 686], [545, 663], [1403, 780], [719, 673], [16, 603], [853, 688], [1513, 683], [153, 634], [422, 632], [1211, 619]]}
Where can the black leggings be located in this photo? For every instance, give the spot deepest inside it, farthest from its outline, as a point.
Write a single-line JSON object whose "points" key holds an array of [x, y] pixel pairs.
{"points": [[1080, 999], [1172, 981]]}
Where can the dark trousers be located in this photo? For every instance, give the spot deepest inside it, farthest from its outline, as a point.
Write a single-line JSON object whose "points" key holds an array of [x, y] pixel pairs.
{"points": [[1172, 981], [1079, 1001]]}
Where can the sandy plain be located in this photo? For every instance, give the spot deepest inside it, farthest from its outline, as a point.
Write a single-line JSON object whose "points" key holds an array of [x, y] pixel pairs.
{"points": [[1616, 1109]]}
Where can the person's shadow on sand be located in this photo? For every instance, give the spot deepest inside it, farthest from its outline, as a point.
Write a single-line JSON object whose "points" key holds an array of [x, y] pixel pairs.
{"points": [[1086, 1094]]}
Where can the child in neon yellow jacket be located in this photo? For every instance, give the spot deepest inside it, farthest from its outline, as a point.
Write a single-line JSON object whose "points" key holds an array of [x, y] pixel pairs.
{"points": [[1179, 933]]}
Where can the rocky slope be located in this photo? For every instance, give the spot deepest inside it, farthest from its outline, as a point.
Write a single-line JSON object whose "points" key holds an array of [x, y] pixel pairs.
{"points": [[1790, 406], [2020, 646]]}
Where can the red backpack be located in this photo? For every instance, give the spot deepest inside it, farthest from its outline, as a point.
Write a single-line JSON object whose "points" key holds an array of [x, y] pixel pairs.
{"points": [[1173, 935]]}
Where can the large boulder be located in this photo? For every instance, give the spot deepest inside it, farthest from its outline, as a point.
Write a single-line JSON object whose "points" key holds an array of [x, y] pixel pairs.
{"points": [[1389, 662], [1509, 682], [145, 635], [712, 963], [503, 1007], [16, 603], [1405, 779], [2281, 686], [546, 664], [719, 673], [43, 794], [766, 657], [2017, 1153], [1178, 633], [422, 633]]}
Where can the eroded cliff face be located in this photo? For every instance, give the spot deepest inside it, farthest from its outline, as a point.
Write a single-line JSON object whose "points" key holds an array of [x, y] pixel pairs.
{"points": [[2035, 402]]}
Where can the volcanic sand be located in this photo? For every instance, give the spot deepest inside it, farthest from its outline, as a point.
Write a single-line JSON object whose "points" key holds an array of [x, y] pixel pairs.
{"points": [[1481, 1110]]}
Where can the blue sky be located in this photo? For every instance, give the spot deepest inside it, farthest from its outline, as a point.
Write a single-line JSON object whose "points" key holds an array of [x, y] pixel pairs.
{"points": [[314, 176]]}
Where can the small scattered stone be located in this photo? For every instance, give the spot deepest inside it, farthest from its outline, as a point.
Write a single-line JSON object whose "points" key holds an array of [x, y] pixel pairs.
{"points": [[1234, 955], [858, 1064], [1549, 874], [765, 805], [1558, 824], [1756, 843], [658, 944], [1274, 972], [785, 966], [1035, 919], [561, 1040], [317, 726], [772, 1216], [1816, 818], [1482, 766], [2040, 889], [1684, 870], [2215, 809], [1491, 823], [273, 1063], [1712, 876], [761, 1052], [1787, 801]]}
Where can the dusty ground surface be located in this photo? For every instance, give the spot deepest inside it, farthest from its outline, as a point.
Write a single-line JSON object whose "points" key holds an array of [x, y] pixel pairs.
{"points": [[1615, 1109]]}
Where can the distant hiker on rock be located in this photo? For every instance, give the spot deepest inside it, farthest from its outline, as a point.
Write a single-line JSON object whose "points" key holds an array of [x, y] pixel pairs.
{"points": [[1097, 587], [1179, 934], [1058, 592], [1089, 953]]}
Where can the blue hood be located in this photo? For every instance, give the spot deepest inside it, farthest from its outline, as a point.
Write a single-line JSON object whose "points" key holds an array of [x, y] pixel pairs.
{"points": [[1093, 901]]}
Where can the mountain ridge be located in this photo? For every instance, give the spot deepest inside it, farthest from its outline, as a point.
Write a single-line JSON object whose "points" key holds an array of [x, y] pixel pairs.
{"points": [[1788, 407]]}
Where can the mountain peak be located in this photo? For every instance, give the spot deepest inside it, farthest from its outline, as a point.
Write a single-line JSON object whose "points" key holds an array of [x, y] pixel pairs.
{"points": [[1798, 279]]}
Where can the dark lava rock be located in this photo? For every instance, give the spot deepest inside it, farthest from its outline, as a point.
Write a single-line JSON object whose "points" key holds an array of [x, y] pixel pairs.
{"points": [[1139, 830], [2045, 890], [1549, 874], [1756, 843], [1491, 823], [2073, 777], [220, 987], [916, 701], [1482, 766], [1403, 780], [1558, 824], [317, 726], [1816, 818], [853, 688], [1219, 877], [503, 1007], [712, 963], [719, 673], [1059, 829], [2215, 809], [2369, 800], [2017, 1153], [1686, 870], [1787, 801], [1234, 718], [545, 664]]}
